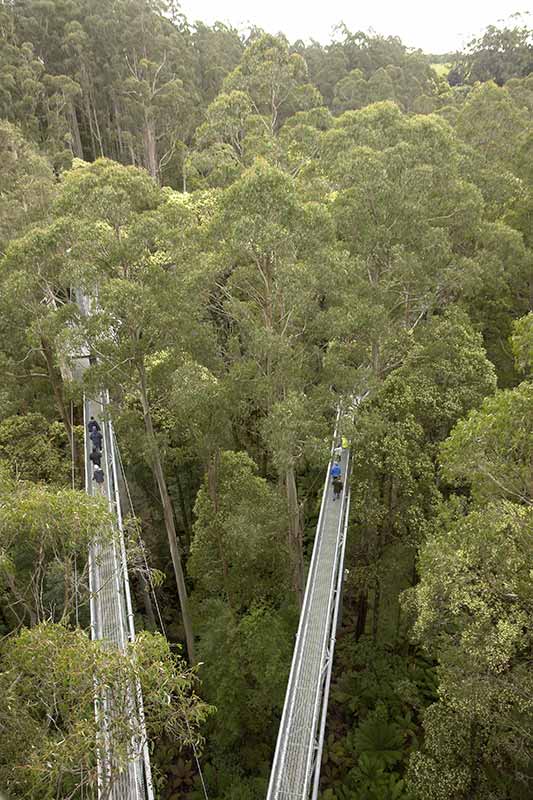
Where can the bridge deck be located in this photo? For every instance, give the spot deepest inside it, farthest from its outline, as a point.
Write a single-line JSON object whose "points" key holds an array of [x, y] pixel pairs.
{"points": [[298, 744]]}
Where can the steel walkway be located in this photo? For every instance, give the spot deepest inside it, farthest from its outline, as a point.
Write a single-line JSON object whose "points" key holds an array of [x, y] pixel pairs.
{"points": [[112, 613], [296, 766], [112, 622]]}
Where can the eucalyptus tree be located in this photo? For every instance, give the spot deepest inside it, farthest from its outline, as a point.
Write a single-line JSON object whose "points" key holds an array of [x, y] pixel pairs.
{"points": [[274, 255], [414, 231], [26, 184], [471, 610], [35, 295], [49, 733], [146, 305], [489, 451], [44, 537], [471, 605], [267, 87], [275, 79], [396, 435]]}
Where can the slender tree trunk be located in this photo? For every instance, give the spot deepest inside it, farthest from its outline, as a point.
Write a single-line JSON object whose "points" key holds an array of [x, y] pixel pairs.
{"points": [[147, 602], [75, 130], [56, 382], [377, 603], [118, 128], [212, 483], [168, 516], [88, 114], [150, 150], [92, 106], [187, 527], [295, 535], [361, 615]]}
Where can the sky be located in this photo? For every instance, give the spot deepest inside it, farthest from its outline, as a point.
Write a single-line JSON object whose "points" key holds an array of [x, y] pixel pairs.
{"points": [[436, 27]]}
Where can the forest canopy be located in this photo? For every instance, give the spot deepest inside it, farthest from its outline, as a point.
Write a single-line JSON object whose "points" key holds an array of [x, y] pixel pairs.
{"points": [[266, 230]]}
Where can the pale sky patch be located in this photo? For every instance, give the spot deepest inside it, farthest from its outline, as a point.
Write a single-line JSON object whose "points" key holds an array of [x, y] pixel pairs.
{"points": [[436, 27]]}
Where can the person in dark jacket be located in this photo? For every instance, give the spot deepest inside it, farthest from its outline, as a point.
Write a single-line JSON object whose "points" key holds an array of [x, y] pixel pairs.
{"points": [[337, 488], [96, 458], [98, 475], [93, 425], [97, 439]]}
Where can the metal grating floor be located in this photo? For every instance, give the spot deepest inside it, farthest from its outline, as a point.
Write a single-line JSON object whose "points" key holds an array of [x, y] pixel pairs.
{"points": [[109, 621], [298, 746]]}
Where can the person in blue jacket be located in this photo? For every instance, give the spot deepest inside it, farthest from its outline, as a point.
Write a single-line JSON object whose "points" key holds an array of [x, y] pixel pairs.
{"points": [[335, 471]]}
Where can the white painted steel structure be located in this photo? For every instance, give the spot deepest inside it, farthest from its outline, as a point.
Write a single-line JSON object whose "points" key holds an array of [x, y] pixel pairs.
{"points": [[296, 766], [112, 622], [112, 613]]}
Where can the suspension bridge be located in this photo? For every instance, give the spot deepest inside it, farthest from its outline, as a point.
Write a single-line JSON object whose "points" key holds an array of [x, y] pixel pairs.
{"points": [[112, 620], [295, 772]]}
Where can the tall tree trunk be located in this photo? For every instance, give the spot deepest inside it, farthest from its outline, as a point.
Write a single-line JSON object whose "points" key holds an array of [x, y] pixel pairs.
{"points": [[118, 128], [168, 515], [187, 527], [361, 615], [88, 114], [150, 151], [77, 149], [377, 604], [92, 106], [295, 535], [56, 382], [212, 484], [147, 602]]}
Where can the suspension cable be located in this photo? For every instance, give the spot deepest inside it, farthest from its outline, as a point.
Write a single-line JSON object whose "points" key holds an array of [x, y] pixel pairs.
{"points": [[141, 542], [72, 464], [152, 587], [73, 479], [197, 760]]}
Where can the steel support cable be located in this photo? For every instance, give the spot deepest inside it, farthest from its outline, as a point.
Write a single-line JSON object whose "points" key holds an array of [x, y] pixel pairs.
{"points": [[152, 588], [140, 539]]}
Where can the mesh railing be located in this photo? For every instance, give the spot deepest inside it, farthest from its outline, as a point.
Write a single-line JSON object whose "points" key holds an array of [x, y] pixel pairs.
{"points": [[296, 766]]}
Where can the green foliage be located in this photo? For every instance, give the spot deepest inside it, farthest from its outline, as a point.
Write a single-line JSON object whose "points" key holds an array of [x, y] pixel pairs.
{"points": [[44, 538], [498, 55], [35, 449], [472, 607], [376, 703], [247, 685], [26, 184], [49, 733], [239, 550], [523, 342], [355, 225], [490, 450]]}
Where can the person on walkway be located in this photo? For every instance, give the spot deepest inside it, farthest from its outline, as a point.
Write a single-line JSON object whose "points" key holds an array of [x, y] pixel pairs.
{"points": [[337, 488], [97, 439], [98, 475], [93, 425], [337, 453], [335, 471], [96, 458], [345, 443]]}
